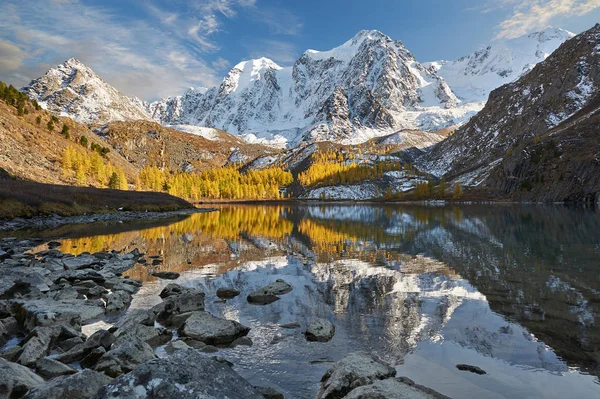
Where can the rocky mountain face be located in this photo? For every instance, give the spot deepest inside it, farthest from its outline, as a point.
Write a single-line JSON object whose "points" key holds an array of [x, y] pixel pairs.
{"points": [[536, 138], [474, 76], [73, 89], [370, 86]]}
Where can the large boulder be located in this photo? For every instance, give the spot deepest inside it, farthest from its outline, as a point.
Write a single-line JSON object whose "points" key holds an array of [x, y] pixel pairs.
{"points": [[48, 312], [173, 289], [126, 356], [117, 301], [205, 327], [184, 375], [394, 388], [227, 293], [174, 305], [319, 330], [16, 380], [83, 385], [351, 372], [269, 293]]}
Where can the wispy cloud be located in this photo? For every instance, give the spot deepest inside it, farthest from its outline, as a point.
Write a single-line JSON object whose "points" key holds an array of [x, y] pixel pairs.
{"points": [[280, 21], [279, 51], [139, 56], [221, 64], [531, 15]]}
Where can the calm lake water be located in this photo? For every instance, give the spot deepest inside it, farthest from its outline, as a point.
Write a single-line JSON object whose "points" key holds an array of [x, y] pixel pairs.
{"points": [[514, 290]]}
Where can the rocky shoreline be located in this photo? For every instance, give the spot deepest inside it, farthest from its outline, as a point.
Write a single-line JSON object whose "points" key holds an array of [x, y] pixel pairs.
{"points": [[47, 298], [53, 221]]}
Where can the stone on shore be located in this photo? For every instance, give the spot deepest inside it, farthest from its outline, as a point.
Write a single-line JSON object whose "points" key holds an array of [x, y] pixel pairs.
{"points": [[353, 371], [173, 289], [184, 375], [227, 293], [50, 368], [16, 380], [211, 330], [174, 305], [125, 357], [166, 275], [83, 385], [269, 293], [319, 330], [394, 388]]}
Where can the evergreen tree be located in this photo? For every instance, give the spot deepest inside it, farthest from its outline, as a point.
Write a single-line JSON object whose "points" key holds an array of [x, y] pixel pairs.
{"points": [[114, 181], [38, 119], [50, 125], [457, 192], [83, 141]]}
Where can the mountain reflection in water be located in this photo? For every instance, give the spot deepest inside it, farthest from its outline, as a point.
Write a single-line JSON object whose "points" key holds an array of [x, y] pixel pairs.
{"points": [[512, 289]]}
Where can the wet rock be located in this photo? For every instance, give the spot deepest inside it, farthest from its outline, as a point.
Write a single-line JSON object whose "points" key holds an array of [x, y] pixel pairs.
{"points": [[269, 393], [4, 255], [117, 301], [90, 360], [179, 319], [194, 344], [119, 284], [49, 368], [243, 341], [173, 289], [319, 330], [152, 336], [394, 388], [354, 370], [183, 303], [66, 294], [269, 293], [222, 360], [16, 380], [54, 244], [227, 293], [291, 325], [185, 375], [83, 385], [156, 262], [209, 349], [212, 330], [472, 369], [125, 357], [101, 338], [175, 346], [166, 275]]}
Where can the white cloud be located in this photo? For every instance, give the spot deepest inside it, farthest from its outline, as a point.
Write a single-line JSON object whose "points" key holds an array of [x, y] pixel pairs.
{"points": [[221, 64], [532, 15], [11, 56], [280, 21]]}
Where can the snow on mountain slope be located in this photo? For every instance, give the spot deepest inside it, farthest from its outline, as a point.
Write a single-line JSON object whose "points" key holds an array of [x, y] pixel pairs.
{"points": [[73, 89], [368, 87], [474, 76]]}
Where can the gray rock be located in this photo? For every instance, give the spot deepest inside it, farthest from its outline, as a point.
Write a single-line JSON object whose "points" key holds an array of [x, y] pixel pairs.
{"points": [[319, 330], [16, 380], [11, 354], [472, 369], [166, 275], [11, 325], [185, 375], [125, 357], [353, 371], [194, 344], [33, 350], [79, 262], [291, 325], [66, 293], [269, 393], [173, 289], [91, 359], [227, 293], [205, 327], [49, 312], [269, 293], [70, 343], [243, 341], [49, 368], [175, 346], [394, 388], [100, 338], [117, 301], [83, 385], [183, 303]]}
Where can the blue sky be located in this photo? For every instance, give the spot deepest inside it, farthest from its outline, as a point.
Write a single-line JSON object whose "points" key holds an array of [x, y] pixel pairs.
{"points": [[156, 48]]}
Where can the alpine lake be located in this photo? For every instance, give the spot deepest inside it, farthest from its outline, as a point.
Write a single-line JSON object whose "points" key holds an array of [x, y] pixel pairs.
{"points": [[511, 289]]}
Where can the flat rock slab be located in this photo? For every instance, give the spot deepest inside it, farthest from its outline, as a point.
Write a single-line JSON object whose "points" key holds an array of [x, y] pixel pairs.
{"points": [[173, 289], [352, 371], [49, 368], [174, 305], [48, 312], [394, 388], [83, 385], [204, 327], [184, 375], [269, 293], [319, 330]]}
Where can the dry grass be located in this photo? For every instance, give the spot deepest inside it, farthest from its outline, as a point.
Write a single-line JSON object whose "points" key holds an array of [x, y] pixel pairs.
{"points": [[27, 199]]}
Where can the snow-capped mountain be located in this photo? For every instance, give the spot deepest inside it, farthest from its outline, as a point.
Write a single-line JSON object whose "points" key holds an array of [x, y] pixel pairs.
{"points": [[474, 76], [73, 89], [540, 128], [368, 87]]}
